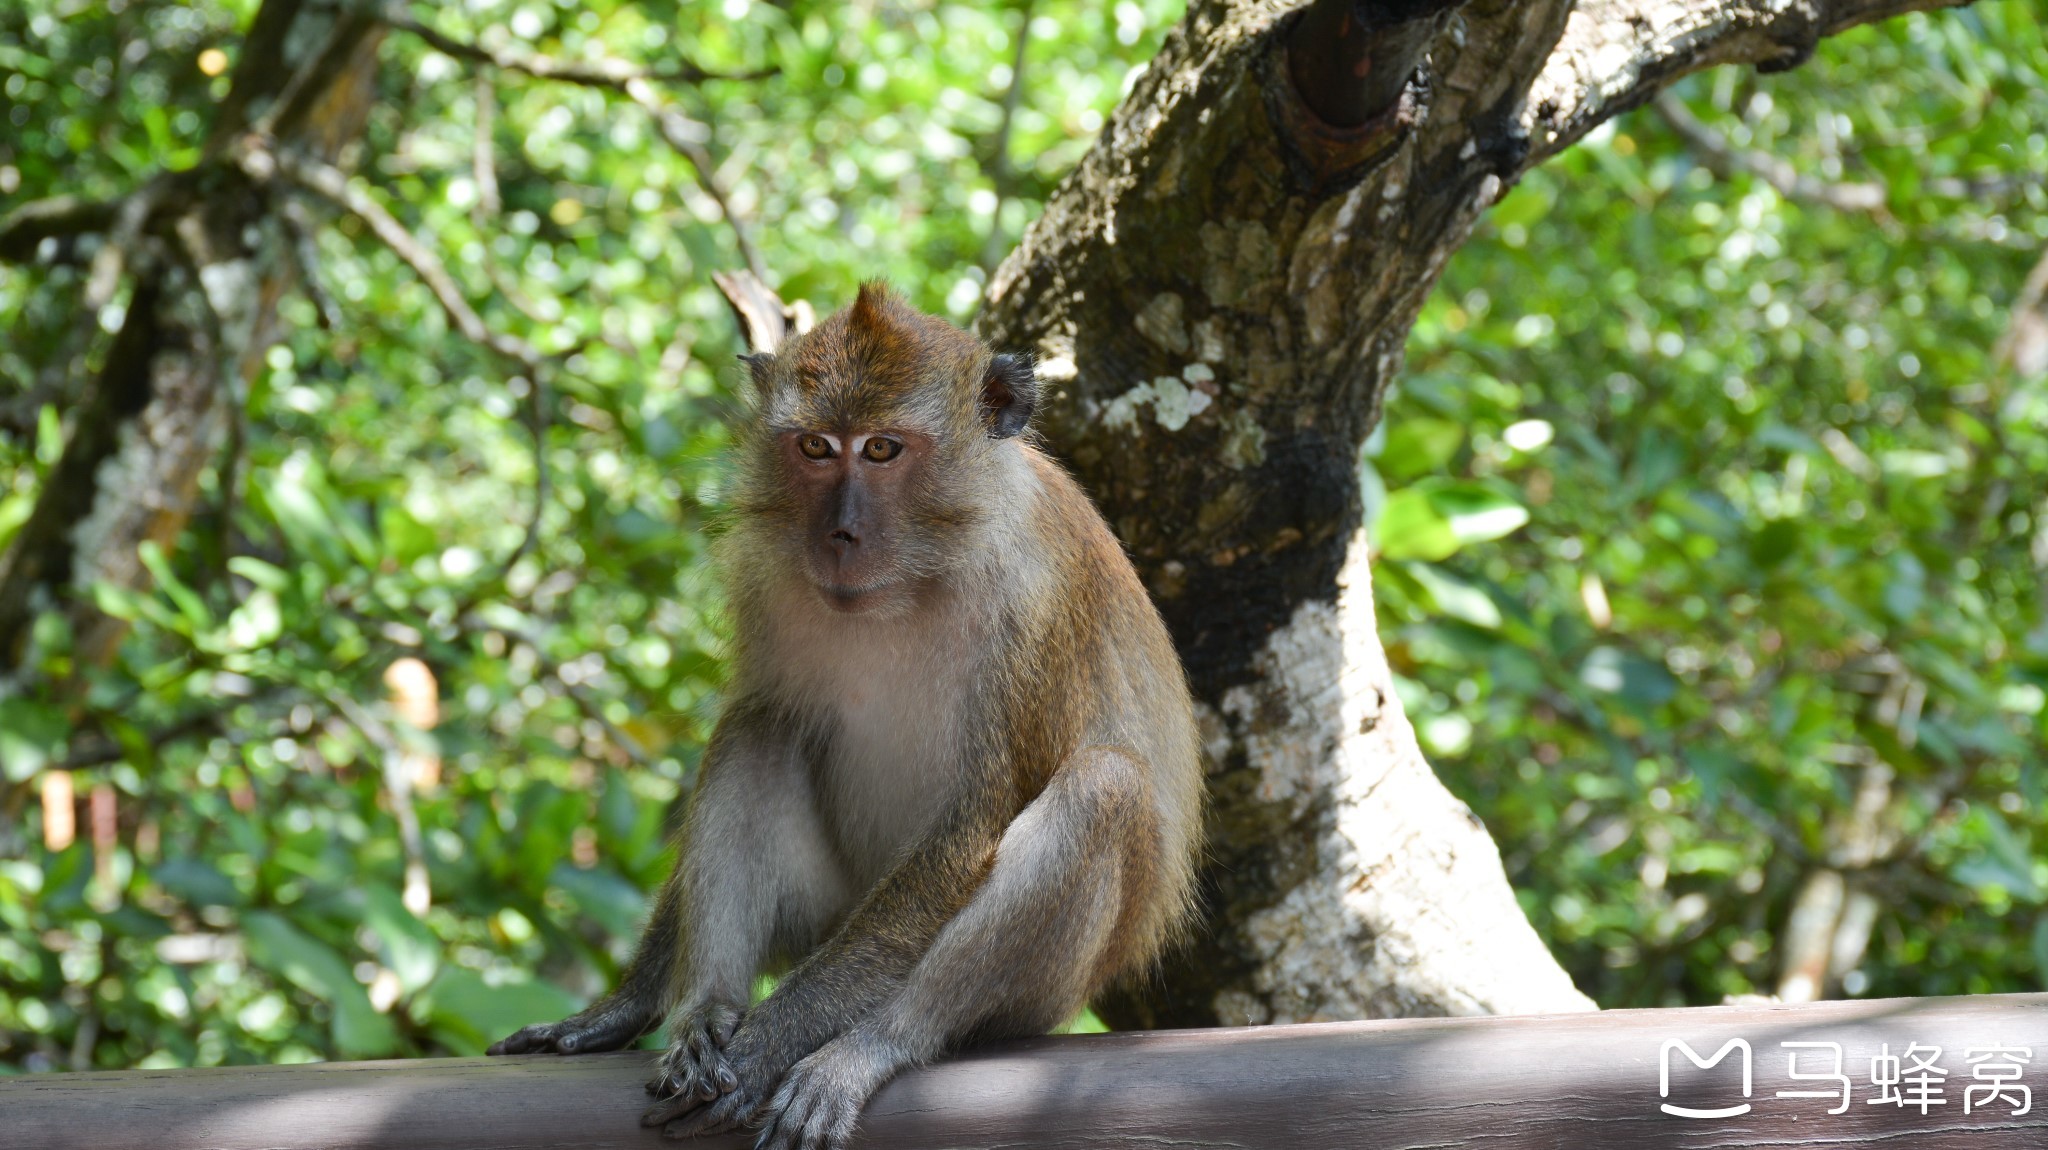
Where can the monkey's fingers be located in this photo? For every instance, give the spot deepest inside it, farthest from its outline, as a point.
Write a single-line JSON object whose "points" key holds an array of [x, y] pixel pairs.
{"points": [[670, 1106], [707, 1058], [729, 1113], [815, 1109], [539, 1039], [583, 1034]]}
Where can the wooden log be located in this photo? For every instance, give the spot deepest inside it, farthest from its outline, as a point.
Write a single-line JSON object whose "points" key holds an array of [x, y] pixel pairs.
{"points": [[1582, 1080]]}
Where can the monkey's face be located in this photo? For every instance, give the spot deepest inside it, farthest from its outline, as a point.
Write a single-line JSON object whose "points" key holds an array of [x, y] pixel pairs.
{"points": [[876, 455], [854, 492]]}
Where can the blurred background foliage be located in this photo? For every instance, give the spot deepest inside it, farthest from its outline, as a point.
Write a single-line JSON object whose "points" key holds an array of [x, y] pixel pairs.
{"points": [[1711, 532]]}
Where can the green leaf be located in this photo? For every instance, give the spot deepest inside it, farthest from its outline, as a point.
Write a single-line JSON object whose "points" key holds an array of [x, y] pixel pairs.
{"points": [[2005, 862], [1612, 671], [1475, 512], [267, 576], [1776, 542], [1526, 203], [1455, 597], [256, 623], [189, 604], [604, 895], [404, 536], [1085, 1022], [1915, 464], [32, 736], [469, 1014], [1411, 528], [14, 512], [284, 493], [196, 881], [404, 944], [318, 969], [1418, 445]]}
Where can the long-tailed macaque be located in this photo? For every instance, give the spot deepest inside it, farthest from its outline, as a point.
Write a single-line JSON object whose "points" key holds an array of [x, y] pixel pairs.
{"points": [[956, 782]]}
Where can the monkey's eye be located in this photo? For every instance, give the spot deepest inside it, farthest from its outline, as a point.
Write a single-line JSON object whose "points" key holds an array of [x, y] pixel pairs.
{"points": [[815, 447], [880, 450]]}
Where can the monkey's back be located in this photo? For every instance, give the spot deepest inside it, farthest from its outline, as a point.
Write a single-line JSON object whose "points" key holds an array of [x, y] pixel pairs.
{"points": [[1125, 689]]}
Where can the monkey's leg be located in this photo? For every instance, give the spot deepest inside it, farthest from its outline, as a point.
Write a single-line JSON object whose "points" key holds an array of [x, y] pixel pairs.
{"points": [[1039, 936]]}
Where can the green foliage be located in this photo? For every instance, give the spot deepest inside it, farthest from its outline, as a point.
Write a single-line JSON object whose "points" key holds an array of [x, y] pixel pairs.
{"points": [[252, 908], [1786, 529]]}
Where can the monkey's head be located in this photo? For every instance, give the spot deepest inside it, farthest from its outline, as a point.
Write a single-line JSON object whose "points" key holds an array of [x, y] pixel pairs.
{"points": [[880, 447]]}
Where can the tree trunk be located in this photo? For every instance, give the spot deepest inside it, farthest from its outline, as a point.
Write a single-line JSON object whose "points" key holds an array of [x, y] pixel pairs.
{"points": [[1219, 297]]}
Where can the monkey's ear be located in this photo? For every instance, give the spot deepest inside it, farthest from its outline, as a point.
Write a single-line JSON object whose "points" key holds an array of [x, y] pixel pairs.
{"points": [[759, 364], [1009, 392]]}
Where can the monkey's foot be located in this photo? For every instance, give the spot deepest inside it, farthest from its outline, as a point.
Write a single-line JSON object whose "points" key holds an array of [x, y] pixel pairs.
{"points": [[690, 1117], [586, 1033], [695, 1069], [822, 1095]]}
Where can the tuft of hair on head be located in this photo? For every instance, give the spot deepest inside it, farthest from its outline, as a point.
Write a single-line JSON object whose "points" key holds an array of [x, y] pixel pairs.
{"points": [[875, 306]]}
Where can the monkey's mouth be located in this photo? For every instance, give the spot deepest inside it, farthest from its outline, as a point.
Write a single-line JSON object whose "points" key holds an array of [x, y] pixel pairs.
{"points": [[853, 599]]}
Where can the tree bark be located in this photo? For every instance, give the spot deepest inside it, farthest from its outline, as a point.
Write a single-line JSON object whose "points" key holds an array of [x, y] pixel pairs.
{"points": [[1219, 297]]}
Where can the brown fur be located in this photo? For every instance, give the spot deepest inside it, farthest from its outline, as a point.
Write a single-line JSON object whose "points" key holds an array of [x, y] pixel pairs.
{"points": [[957, 783]]}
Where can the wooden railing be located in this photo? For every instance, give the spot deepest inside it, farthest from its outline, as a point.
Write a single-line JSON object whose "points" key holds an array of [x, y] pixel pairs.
{"points": [[1567, 1081]]}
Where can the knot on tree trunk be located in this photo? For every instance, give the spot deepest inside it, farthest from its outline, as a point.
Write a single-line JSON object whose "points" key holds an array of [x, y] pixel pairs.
{"points": [[1344, 82]]}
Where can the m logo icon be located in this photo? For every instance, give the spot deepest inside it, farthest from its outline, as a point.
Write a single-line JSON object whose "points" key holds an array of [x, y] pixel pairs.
{"points": [[1664, 1077]]}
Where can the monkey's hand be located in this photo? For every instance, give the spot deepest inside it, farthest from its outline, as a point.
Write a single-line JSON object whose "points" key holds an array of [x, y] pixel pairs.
{"points": [[609, 1024], [743, 1071], [695, 1070], [822, 1095]]}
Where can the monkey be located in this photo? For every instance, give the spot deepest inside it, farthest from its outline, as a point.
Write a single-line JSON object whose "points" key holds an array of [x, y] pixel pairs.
{"points": [[955, 788]]}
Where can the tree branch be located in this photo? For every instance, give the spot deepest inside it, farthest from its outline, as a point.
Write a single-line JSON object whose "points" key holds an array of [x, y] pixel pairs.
{"points": [[259, 71], [42, 554], [1724, 159], [684, 135], [997, 168], [604, 72], [313, 82], [553, 670], [23, 230], [1193, 245], [331, 184], [398, 784], [1615, 55], [2023, 346], [687, 137]]}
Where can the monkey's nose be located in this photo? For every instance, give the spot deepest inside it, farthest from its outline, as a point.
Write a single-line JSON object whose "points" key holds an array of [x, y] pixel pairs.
{"points": [[843, 541]]}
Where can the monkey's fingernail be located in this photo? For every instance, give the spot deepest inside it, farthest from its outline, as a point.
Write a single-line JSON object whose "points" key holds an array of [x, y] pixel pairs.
{"points": [[727, 1080]]}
